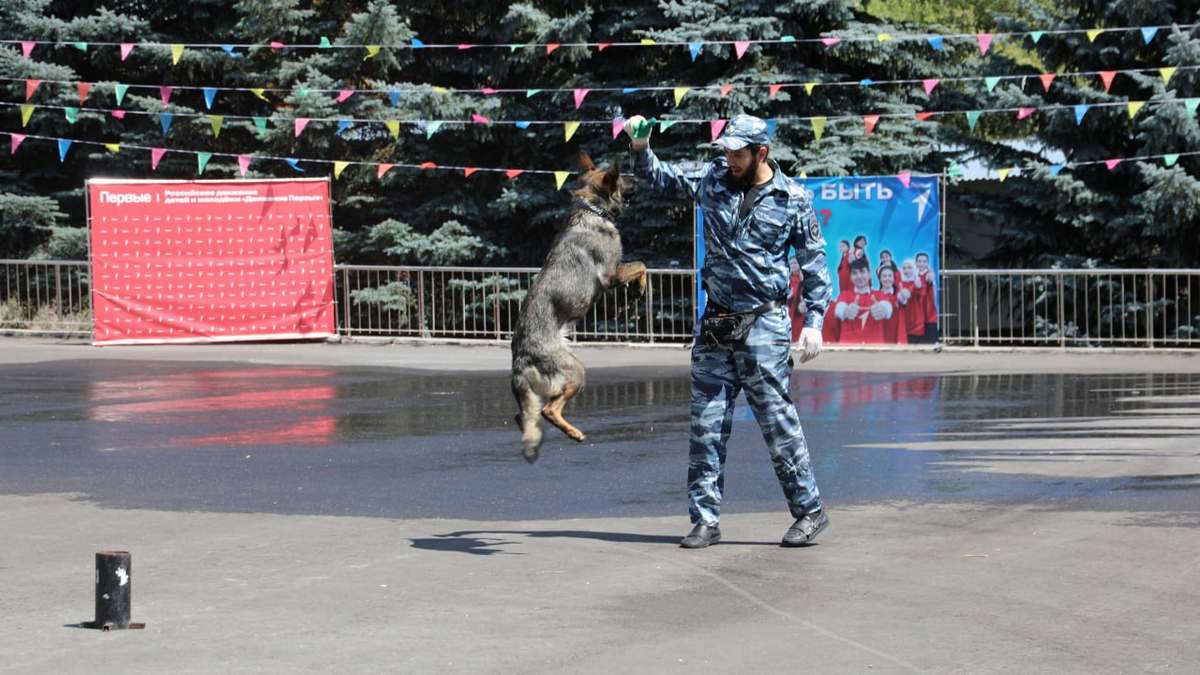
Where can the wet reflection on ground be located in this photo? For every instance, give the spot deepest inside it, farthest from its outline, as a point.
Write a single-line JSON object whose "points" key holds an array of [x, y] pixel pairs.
{"points": [[359, 441]]}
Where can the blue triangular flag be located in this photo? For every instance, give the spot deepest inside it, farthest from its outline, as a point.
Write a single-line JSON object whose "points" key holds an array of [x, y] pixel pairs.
{"points": [[228, 49], [1148, 34], [165, 119], [522, 125], [866, 83], [210, 93], [394, 97], [343, 125], [1080, 111], [771, 124], [295, 164], [417, 44], [695, 47], [936, 42], [64, 145], [1056, 169], [629, 90]]}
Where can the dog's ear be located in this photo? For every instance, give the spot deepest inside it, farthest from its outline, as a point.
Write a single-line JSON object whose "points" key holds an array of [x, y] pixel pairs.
{"points": [[612, 177], [585, 163]]}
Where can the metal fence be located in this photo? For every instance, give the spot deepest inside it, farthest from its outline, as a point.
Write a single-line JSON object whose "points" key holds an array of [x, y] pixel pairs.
{"points": [[1071, 308], [1153, 308]]}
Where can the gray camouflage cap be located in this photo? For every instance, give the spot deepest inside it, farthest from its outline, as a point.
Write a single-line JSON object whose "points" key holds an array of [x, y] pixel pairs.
{"points": [[744, 130]]}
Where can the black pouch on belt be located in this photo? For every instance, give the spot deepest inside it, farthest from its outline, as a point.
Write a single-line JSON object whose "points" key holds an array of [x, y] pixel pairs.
{"points": [[720, 327]]}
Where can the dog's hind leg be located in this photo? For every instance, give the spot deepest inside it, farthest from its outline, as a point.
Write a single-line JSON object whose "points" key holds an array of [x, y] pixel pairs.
{"points": [[553, 410], [529, 420], [634, 271]]}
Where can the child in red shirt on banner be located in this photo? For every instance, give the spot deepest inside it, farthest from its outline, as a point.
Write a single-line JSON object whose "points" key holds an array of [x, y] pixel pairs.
{"points": [[894, 331], [844, 266], [910, 295], [859, 313], [925, 273]]}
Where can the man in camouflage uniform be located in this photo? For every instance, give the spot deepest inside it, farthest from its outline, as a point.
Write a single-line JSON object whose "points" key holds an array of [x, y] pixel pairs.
{"points": [[753, 214]]}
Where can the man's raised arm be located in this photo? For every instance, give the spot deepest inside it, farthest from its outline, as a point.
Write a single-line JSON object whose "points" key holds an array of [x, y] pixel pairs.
{"points": [[670, 178]]}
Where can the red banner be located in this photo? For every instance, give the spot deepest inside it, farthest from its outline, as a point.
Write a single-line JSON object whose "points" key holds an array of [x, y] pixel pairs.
{"points": [[210, 261]]}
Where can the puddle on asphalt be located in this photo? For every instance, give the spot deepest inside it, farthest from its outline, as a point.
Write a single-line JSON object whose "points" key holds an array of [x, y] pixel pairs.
{"points": [[360, 441]]}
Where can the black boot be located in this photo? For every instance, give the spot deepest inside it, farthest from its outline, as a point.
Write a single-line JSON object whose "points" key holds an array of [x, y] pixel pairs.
{"points": [[804, 530], [701, 536]]}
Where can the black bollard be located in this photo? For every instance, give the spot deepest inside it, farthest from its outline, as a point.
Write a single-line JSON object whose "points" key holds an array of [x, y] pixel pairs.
{"points": [[114, 584]]}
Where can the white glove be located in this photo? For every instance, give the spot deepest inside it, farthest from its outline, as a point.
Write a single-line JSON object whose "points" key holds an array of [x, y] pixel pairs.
{"points": [[809, 344], [638, 130], [847, 311], [903, 296], [881, 310]]}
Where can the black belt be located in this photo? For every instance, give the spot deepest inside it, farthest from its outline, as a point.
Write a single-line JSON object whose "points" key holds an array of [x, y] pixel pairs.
{"points": [[714, 309]]}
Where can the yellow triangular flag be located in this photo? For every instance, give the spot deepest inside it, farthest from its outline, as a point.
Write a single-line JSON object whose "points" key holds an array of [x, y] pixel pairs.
{"points": [[570, 129], [1167, 74], [1003, 173], [809, 86], [259, 93], [440, 90], [26, 113], [176, 53], [372, 52], [680, 92], [216, 121], [1094, 33], [1134, 107], [803, 175], [113, 147], [338, 168], [647, 41], [884, 37], [560, 177], [394, 127], [818, 125]]}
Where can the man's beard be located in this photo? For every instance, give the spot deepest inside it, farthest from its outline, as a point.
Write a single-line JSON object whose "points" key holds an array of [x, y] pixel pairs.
{"points": [[748, 178]]}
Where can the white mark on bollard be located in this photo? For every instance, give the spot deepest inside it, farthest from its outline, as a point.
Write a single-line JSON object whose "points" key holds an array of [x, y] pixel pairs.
{"points": [[105, 596], [123, 575]]}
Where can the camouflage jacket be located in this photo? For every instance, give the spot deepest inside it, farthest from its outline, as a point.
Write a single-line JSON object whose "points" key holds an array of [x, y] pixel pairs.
{"points": [[745, 259]]}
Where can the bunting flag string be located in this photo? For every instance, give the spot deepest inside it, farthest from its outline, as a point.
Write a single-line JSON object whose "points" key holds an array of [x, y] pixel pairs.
{"points": [[870, 122], [736, 47], [337, 167], [341, 94]]}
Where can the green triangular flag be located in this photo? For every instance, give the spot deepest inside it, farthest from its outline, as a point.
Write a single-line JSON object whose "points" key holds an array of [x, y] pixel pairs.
{"points": [[954, 169], [71, 114], [260, 123], [202, 160], [1037, 35], [81, 46], [788, 38], [991, 82], [513, 48], [121, 89], [666, 124], [531, 92], [1170, 159], [973, 118], [1191, 104], [325, 43], [302, 92], [431, 128], [216, 121]]}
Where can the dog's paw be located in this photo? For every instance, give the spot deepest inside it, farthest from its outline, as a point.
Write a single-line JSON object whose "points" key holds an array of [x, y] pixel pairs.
{"points": [[577, 436]]}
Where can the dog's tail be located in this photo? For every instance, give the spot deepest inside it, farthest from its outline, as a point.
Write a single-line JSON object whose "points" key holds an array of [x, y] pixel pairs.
{"points": [[529, 416]]}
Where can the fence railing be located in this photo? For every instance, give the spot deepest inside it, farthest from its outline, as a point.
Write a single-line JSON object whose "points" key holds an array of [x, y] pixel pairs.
{"points": [[1044, 308], [1071, 308]]}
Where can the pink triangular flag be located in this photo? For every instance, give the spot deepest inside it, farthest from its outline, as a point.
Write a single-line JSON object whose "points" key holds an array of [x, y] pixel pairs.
{"points": [[119, 114], [17, 140], [740, 47], [126, 50], [1046, 79], [602, 46], [618, 125], [985, 41], [579, 96], [725, 89], [1107, 76], [275, 44], [905, 178], [930, 85], [468, 171], [164, 93], [83, 88], [344, 94], [480, 119], [1022, 113], [243, 164], [551, 47], [924, 115], [488, 91], [465, 46], [869, 121], [299, 125], [427, 165], [27, 48], [513, 173], [1111, 163], [716, 127], [830, 41], [30, 87], [382, 169], [774, 89], [156, 155]]}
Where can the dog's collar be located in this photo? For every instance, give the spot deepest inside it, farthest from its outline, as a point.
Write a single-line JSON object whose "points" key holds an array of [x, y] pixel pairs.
{"points": [[588, 206]]}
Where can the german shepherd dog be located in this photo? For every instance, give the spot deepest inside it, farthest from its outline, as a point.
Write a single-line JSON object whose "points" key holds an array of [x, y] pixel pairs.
{"points": [[584, 260]]}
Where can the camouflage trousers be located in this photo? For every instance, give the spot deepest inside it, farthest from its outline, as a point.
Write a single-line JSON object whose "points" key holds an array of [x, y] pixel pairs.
{"points": [[762, 368]]}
